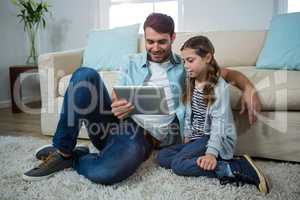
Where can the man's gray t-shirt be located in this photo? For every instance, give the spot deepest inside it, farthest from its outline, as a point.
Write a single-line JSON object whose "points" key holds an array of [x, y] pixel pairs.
{"points": [[157, 125]]}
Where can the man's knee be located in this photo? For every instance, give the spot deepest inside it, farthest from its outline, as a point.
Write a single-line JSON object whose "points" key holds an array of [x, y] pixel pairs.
{"points": [[85, 74]]}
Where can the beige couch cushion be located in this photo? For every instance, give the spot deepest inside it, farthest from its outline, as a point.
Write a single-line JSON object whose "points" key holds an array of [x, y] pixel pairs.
{"points": [[277, 89], [109, 78], [233, 48]]}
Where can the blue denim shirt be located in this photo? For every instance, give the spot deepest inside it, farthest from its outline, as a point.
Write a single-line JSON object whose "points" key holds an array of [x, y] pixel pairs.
{"points": [[136, 71]]}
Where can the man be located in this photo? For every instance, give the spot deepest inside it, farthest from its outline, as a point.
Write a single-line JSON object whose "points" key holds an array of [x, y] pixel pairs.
{"points": [[125, 140]]}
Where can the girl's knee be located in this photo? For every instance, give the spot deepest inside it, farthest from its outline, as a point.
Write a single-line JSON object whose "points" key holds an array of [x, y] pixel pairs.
{"points": [[178, 167]]}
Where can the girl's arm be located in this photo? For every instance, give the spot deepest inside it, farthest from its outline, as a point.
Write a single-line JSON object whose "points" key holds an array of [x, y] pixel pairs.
{"points": [[222, 130], [249, 100], [187, 123]]}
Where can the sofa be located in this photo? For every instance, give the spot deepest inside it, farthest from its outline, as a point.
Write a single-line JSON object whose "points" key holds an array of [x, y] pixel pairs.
{"points": [[275, 135]]}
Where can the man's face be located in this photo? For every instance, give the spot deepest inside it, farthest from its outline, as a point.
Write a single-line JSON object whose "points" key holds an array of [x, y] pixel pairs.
{"points": [[158, 45]]}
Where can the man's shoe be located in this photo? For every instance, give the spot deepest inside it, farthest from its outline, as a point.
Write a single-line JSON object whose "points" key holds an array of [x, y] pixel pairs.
{"points": [[245, 171], [43, 152], [53, 163]]}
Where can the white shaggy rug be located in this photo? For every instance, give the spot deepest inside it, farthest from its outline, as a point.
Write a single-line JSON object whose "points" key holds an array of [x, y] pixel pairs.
{"points": [[149, 182]]}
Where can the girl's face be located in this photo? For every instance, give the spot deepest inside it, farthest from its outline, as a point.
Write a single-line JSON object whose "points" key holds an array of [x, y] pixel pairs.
{"points": [[194, 64]]}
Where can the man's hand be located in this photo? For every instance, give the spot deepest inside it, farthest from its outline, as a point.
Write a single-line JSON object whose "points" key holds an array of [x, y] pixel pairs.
{"points": [[250, 103], [207, 162], [120, 108]]}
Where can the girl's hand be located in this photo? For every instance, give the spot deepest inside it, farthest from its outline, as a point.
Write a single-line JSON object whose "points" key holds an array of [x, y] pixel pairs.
{"points": [[207, 162], [186, 140]]}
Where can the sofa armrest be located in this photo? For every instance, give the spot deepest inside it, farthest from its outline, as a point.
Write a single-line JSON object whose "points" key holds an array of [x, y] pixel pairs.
{"points": [[52, 67]]}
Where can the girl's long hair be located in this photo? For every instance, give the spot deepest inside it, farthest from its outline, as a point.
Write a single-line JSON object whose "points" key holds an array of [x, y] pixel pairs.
{"points": [[202, 47]]}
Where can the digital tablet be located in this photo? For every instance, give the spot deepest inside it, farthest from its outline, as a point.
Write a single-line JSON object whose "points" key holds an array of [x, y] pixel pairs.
{"points": [[147, 100]]}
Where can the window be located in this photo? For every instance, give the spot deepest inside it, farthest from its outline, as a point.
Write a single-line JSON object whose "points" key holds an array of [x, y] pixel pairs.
{"points": [[293, 6], [125, 12]]}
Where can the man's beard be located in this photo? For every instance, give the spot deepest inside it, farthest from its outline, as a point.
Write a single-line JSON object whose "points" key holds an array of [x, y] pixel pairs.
{"points": [[167, 56]]}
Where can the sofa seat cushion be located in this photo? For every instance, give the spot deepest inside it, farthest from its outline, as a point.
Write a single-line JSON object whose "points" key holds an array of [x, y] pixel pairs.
{"points": [[277, 89], [109, 78]]}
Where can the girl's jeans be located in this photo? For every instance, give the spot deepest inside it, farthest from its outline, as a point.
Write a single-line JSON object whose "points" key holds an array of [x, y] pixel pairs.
{"points": [[181, 158]]}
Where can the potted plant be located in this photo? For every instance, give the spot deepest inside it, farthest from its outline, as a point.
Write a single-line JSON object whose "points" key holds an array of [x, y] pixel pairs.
{"points": [[32, 14]]}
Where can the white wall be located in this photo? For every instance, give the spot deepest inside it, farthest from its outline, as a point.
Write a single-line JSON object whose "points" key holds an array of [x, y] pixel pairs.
{"points": [[210, 15], [69, 25], [12, 47], [66, 29], [72, 19]]}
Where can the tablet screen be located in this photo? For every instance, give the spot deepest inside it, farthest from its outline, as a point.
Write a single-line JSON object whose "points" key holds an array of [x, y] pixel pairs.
{"points": [[148, 100]]}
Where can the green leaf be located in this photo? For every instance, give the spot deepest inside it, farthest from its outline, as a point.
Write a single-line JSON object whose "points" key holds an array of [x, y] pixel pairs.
{"points": [[32, 13], [45, 6], [29, 8], [14, 2]]}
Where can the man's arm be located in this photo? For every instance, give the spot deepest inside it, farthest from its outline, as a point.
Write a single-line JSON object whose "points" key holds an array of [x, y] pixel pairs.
{"points": [[249, 100], [120, 107]]}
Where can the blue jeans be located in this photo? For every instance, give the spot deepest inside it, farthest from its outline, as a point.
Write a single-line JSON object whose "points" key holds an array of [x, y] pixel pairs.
{"points": [[122, 144], [181, 158]]}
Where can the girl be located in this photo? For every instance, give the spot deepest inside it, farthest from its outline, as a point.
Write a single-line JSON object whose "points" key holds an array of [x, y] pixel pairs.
{"points": [[210, 134]]}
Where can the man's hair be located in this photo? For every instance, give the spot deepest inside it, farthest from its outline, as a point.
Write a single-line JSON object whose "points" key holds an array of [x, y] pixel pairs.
{"points": [[161, 23]]}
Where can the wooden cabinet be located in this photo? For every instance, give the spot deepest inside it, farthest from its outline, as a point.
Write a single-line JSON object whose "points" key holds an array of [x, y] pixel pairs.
{"points": [[15, 84]]}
